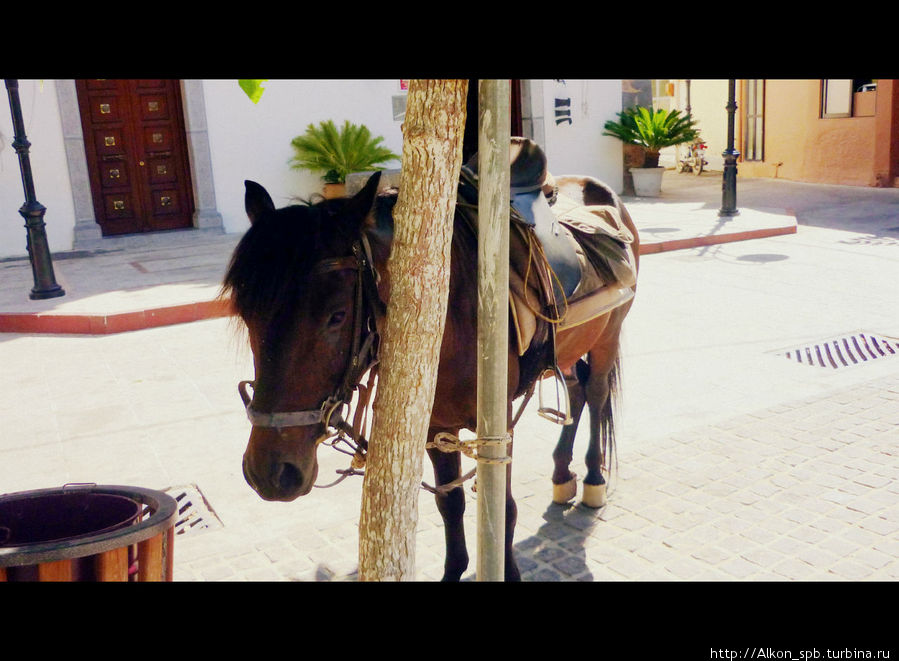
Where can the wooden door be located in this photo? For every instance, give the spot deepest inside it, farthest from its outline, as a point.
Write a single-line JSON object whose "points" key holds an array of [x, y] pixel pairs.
{"points": [[136, 149]]}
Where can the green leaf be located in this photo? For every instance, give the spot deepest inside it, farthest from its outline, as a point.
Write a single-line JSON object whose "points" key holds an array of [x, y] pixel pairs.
{"points": [[253, 88]]}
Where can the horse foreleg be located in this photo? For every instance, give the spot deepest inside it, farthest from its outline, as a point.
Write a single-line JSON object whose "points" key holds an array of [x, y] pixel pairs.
{"points": [[512, 572], [564, 481], [451, 505], [598, 389]]}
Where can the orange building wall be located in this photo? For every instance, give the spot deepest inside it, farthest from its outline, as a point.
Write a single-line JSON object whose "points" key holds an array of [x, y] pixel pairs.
{"points": [[886, 134], [807, 147]]}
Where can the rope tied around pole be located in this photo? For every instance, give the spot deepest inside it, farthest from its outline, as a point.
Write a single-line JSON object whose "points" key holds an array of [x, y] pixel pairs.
{"points": [[446, 442]]}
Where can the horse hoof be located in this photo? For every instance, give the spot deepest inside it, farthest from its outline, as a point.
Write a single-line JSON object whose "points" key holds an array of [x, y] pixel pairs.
{"points": [[594, 495], [562, 493]]}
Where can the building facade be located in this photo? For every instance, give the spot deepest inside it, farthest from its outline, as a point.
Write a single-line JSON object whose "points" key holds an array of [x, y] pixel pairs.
{"points": [[833, 131], [115, 160]]}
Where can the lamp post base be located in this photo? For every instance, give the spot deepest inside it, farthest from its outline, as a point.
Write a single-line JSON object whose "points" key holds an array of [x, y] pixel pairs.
{"points": [[46, 293]]}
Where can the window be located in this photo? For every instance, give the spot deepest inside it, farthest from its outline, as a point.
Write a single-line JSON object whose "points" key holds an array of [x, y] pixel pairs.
{"points": [[837, 95], [754, 121], [662, 94], [836, 98]]}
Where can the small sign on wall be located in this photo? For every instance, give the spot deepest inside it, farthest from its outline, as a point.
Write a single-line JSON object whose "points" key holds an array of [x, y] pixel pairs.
{"points": [[399, 107], [562, 103], [398, 101]]}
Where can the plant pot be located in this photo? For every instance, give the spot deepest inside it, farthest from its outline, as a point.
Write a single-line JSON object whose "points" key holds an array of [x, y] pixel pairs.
{"points": [[647, 181], [334, 190], [634, 156]]}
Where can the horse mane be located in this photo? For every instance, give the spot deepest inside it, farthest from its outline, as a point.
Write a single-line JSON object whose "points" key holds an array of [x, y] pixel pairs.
{"points": [[269, 269]]}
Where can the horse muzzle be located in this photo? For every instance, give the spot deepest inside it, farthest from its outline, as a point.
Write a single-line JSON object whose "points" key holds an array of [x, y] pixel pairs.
{"points": [[279, 468]]}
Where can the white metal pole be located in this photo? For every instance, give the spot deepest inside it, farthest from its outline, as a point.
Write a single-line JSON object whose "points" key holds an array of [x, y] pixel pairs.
{"points": [[494, 135]]}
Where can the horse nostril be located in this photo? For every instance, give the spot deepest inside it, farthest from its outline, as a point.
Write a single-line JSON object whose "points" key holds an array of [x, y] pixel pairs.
{"points": [[288, 477]]}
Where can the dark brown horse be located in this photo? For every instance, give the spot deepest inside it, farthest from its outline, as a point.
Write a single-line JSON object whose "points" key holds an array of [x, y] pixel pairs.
{"points": [[310, 282]]}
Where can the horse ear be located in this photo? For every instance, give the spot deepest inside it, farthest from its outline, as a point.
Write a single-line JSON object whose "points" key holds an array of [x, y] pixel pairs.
{"points": [[257, 201], [361, 203]]}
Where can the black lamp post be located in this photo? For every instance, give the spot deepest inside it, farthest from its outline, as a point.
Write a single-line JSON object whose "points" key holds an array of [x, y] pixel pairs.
{"points": [[729, 185], [32, 211]]}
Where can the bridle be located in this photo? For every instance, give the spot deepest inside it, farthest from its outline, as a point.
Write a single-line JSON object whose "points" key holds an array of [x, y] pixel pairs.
{"points": [[363, 357]]}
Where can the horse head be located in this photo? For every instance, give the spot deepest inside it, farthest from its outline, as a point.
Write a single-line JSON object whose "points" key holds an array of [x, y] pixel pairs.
{"points": [[302, 281]]}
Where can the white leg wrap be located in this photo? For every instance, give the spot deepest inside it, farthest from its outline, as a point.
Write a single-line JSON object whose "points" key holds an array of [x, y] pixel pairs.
{"points": [[594, 495], [562, 493]]}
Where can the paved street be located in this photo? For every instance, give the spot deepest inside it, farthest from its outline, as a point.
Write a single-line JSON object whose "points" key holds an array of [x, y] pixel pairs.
{"points": [[734, 462]]}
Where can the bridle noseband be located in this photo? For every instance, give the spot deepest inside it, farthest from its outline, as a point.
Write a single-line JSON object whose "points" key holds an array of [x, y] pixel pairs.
{"points": [[282, 419], [363, 354]]}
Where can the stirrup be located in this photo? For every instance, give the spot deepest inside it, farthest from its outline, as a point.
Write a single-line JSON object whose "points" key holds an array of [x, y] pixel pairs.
{"points": [[559, 415]]}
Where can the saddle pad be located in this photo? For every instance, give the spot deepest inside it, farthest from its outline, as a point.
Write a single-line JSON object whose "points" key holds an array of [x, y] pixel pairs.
{"points": [[592, 219], [587, 308], [603, 242]]}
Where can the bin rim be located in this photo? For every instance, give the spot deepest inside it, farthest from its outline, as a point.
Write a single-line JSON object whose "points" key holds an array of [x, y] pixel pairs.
{"points": [[163, 513]]}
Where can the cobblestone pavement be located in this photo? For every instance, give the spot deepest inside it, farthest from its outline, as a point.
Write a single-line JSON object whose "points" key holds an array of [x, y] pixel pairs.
{"points": [[803, 490]]}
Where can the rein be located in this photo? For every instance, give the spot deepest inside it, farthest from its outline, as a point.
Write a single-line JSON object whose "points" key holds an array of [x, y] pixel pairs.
{"points": [[363, 357]]}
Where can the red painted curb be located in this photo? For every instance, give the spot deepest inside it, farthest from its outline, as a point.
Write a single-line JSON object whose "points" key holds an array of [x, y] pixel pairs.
{"points": [[88, 324], [712, 239]]}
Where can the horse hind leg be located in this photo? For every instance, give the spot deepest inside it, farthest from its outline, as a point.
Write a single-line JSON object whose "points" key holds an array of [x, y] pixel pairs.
{"points": [[564, 481], [599, 390]]}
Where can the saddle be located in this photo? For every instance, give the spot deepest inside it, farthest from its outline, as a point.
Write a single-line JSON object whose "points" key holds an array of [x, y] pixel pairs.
{"points": [[569, 263]]}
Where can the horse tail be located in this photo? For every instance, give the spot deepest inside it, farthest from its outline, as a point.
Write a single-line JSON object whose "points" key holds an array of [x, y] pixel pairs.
{"points": [[607, 418]]}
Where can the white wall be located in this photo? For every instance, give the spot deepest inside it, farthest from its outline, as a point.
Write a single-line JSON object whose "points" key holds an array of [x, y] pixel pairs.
{"points": [[40, 113], [253, 141], [580, 147], [250, 141]]}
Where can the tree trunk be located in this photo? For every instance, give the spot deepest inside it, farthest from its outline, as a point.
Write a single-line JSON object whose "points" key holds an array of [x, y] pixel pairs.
{"points": [[419, 268]]}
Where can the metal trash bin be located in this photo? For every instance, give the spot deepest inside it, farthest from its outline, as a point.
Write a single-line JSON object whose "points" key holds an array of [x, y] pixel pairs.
{"points": [[87, 533]]}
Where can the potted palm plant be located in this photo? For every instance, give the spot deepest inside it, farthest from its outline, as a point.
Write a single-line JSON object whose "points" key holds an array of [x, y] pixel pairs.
{"points": [[338, 152], [653, 130]]}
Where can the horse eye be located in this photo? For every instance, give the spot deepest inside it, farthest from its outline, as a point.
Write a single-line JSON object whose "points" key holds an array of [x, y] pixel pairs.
{"points": [[337, 319]]}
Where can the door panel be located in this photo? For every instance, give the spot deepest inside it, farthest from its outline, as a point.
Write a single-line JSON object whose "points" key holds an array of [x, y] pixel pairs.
{"points": [[137, 154]]}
